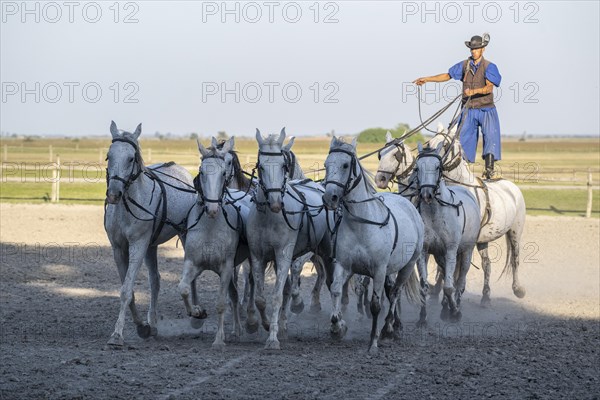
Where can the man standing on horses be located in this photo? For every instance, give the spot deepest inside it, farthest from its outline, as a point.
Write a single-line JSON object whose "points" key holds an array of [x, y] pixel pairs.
{"points": [[479, 77]]}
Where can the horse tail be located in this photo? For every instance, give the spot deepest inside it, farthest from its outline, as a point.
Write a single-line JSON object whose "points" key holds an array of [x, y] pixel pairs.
{"points": [[412, 288], [509, 267]]}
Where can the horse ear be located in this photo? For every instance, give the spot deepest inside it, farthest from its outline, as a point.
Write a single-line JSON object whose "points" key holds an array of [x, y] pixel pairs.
{"points": [[420, 147], [202, 149], [227, 146], [288, 146], [214, 143], [334, 142], [354, 141], [138, 131], [388, 137], [281, 137], [114, 131], [259, 138], [439, 147], [440, 127]]}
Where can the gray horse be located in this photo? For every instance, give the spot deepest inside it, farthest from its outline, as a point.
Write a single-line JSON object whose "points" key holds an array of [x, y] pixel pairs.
{"points": [[214, 228], [145, 206], [375, 235], [451, 218], [285, 223], [501, 203]]}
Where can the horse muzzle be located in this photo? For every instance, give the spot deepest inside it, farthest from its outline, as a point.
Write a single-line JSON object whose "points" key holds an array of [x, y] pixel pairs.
{"points": [[212, 210], [381, 180], [113, 198], [427, 195], [331, 201]]}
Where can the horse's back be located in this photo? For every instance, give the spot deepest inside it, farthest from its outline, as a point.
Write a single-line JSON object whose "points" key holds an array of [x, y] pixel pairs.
{"points": [[507, 207]]}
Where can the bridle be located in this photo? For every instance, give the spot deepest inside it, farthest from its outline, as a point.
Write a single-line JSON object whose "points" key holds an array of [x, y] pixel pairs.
{"points": [[288, 170], [354, 177], [197, 185], [133, 175], [400, 156], [430, 154]]}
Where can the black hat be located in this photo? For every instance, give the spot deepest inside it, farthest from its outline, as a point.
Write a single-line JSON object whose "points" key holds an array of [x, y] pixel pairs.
{"points": [[477, 42]]}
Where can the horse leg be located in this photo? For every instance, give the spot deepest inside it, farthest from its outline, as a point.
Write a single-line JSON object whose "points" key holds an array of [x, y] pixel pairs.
{"points": [[121, 256], [315, 302], [359, 290], [449, 288], [513, 237], [235, 299], [464, 263], [486, 265], [251, 320], [345, 296], [287, 289], [136, 252], [258, 274], [424, 283], [151, 259], [190, 272], [340, 277], [297, 305], [283, 263], [365, 282], [378, 283], [225, 282], [387, 332]]}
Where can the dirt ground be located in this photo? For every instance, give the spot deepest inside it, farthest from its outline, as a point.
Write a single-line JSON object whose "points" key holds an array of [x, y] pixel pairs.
{"points": [[59, 302]]}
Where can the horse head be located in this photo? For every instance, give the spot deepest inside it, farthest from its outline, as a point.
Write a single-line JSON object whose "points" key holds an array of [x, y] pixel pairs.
{"points": [[341, 170], [394, 160], [125, 162], [273, 165], [214, 175], [429, 171]]}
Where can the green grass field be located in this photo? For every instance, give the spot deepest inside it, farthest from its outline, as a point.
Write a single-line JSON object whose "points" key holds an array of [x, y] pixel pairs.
{"points": [[26, 172]]}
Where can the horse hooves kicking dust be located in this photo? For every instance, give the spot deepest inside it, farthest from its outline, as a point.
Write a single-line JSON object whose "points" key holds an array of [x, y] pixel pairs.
{"points": [[145, 331]]}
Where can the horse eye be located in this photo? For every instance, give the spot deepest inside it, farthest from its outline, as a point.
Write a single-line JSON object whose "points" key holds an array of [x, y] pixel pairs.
{"points": [[130, 159], [223, 173], [346, 165]]}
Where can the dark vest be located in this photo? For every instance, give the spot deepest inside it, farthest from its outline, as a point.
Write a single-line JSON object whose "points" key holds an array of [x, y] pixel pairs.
{"points": [[476, 81]]}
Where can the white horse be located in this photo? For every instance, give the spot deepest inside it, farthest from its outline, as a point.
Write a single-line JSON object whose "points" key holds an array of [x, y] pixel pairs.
{"points": [[501, 204], [145, 207], [285, 222], [451, 218], [214, 229], [375, 235]]}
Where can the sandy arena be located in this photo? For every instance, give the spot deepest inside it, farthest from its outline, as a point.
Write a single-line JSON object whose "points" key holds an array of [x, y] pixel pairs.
{"points": [[59, 301]]}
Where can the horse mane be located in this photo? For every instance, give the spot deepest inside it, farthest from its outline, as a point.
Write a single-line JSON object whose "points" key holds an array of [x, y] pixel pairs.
{"points": [[131, 137]]}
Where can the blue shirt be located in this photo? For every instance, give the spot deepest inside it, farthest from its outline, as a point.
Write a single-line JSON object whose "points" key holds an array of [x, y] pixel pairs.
{"points": [[491, 73]]}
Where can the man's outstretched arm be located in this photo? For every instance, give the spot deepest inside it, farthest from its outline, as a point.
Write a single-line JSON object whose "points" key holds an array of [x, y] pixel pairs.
{"points": [[435, 78]]}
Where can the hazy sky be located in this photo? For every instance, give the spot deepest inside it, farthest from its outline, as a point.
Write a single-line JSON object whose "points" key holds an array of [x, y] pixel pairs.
{"points": [[312, 67]]}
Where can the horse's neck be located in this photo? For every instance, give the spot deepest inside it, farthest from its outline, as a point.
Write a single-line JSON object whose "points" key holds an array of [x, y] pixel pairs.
{"points": [[298, 173], [444, 191], [462, 174], [360, 193], [143, 190]]}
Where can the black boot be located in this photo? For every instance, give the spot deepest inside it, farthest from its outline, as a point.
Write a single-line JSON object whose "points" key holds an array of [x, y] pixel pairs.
{"points": [[489, 166]]}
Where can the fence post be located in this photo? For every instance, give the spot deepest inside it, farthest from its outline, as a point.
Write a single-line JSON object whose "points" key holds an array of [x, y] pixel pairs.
{"points": [[56, 182], [588, 211]]}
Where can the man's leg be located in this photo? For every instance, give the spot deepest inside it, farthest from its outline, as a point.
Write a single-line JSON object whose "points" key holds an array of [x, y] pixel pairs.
{"points": [[469, 135], [490, 130]]}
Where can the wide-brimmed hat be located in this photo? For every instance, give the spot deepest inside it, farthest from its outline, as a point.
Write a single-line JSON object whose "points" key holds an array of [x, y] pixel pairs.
{"points": [[477, 42]]}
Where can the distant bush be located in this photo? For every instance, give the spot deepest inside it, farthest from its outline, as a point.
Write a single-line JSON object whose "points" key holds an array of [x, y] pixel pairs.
{"points": [[377, 135]]}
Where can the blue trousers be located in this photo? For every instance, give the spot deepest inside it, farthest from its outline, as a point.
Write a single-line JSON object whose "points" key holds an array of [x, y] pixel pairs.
{"points": [[487, 119]]}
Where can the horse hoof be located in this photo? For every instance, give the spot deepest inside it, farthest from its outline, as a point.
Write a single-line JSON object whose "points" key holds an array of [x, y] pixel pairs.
{"points": [[338, 332], [445, 314], [218, 346], [456, 317], [272, 345], [116, 341], [486, 302], [519, 292], [197, 323], [373, 350], [144, 331], [315, 308], [297, 308], [387, 332]]}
